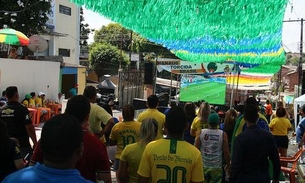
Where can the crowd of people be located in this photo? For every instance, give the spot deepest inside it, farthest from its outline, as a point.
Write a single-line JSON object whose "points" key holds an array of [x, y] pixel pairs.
{"points": [[15, 53], [196, 143]]}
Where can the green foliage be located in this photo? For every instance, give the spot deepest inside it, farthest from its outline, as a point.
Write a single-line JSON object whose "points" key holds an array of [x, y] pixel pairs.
{"points": [[84, 29], [120, 37], [115, 35], [294, 58], [144, 45], [105, 59], [31, 15]]}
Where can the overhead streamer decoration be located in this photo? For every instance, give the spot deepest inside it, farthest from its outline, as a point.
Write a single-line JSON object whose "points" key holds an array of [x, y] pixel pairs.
{"points": [[244, 79], [247, 31], [265, 69]]}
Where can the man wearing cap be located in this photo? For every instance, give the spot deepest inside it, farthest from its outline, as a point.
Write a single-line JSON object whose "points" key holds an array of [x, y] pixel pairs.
{"points": [[39, 101], [25, 101], [213, 143]]}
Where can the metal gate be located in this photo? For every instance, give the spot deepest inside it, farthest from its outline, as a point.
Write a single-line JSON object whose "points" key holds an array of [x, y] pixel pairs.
{"points": [[131, 85]]}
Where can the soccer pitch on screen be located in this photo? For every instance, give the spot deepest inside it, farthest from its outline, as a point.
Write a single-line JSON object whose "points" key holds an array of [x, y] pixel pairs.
{"points": [[197, 87]]}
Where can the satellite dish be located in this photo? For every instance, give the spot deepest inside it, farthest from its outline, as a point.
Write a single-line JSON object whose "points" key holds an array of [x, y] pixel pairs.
{"points": [[37, 44]]}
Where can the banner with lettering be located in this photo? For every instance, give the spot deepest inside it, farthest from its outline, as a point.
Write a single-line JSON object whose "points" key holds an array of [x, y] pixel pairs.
{"points": [[184, 67]]}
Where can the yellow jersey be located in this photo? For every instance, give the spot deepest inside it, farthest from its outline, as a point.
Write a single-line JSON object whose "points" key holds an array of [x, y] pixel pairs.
{"points": [[124, 133], [171, 160], [32, 102], [198, 125], [132, 154], [25, 103], [158, 116], [39, 102]]}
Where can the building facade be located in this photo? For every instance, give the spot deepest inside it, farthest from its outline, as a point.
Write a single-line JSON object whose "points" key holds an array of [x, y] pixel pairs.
{"points": [[63, 29]]}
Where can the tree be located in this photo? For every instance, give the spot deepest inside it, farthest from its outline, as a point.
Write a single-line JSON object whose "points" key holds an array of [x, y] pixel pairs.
{"points": [[120, 37], [142, 45], [27, 16], [105, 59], [84, 29], [115, 35], [294, 58]]}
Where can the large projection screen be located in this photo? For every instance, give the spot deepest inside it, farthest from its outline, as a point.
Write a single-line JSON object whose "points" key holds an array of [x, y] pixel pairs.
{"points": [[199, 87]]}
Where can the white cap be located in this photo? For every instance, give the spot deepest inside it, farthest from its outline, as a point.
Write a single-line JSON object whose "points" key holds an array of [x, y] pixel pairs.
{"points": [[41, 93]]}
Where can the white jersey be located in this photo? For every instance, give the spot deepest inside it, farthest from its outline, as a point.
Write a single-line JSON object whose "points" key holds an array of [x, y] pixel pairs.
{"points": [[211, 147]]}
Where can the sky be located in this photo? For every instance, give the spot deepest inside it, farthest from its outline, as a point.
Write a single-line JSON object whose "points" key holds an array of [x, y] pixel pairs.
{"points": [[290, 36], [95, 21]]}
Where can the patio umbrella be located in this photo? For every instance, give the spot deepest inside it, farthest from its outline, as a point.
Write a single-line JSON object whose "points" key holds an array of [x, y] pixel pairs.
{"points": [[13, 37]]}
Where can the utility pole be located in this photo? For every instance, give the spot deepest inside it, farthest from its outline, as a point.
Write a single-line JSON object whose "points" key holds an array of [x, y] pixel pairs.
{"points": [[301, 58], [300, 70]]}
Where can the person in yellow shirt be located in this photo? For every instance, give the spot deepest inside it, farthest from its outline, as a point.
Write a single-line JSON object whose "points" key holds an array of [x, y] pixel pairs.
{"points": [[152, 112], [26, 99], [98, 115], [171, 159], [279, 127], [32, 100], [124, 133], [132, 153], [201, 120], [40, 100]]}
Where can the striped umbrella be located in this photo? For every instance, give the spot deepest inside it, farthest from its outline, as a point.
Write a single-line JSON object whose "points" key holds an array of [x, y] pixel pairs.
{"points": [[13, 37]]}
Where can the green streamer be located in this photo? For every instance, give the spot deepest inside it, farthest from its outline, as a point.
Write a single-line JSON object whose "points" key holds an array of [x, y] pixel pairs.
{"points": [[166, 21]]}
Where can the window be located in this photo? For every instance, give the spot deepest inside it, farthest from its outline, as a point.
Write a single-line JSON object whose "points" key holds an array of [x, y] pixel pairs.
{"points": [[84, 63], [64, 52], [65, 10]]}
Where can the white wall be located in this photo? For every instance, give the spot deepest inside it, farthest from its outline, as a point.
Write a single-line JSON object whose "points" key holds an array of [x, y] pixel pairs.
{"points": [[29, 75]]}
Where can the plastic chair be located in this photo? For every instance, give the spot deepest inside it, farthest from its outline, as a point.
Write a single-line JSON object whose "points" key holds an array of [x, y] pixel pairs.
{"points": [[294, 161], [33, 113]]}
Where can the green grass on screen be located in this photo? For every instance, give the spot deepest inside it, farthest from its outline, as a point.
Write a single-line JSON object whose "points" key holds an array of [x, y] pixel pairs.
{"points": [[212, 92]]}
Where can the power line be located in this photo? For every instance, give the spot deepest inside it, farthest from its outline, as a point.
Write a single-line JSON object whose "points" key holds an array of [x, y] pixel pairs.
{"points": [[301, 53], [286, 47]]}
